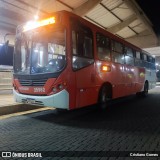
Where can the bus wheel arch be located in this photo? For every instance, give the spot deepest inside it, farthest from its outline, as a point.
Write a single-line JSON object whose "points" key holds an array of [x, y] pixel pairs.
{"points": [[105, 93]]}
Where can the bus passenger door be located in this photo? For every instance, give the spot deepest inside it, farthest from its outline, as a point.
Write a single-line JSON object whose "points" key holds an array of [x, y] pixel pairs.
{"points": [[83, 63], [85, 84], [118, 69]]}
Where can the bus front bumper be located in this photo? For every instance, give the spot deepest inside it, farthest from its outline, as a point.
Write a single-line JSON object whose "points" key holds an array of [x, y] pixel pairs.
{"points": [[58, 100]]}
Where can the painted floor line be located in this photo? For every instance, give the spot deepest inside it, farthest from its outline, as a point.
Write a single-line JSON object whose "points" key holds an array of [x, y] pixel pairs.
{"points": [[25, 112]]}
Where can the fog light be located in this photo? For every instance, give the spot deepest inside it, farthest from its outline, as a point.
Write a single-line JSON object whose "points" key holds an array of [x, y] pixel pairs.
{"points": [[54, 89], [60, 86]]}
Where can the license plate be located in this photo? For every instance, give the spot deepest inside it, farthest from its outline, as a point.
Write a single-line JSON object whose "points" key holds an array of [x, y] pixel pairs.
{"points": [[30, 101]]}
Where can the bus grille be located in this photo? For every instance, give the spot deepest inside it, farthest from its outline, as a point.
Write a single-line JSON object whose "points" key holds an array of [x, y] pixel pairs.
{"points": [[39, 103], [40, 82]]}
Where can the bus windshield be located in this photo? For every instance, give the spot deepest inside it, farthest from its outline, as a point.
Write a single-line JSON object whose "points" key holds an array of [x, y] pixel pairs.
{"points": [[40, 51]]}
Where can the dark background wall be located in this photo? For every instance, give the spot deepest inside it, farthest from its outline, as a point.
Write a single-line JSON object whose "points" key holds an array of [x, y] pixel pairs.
{"points": [[6, 55]]}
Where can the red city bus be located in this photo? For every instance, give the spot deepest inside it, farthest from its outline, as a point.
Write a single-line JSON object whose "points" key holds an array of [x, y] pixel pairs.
{"points": [[66, 62]]}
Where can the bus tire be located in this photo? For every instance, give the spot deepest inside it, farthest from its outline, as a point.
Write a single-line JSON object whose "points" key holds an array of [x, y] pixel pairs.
{"points": [[59, 110], [145, 90], [105, 95], [138, 94]]}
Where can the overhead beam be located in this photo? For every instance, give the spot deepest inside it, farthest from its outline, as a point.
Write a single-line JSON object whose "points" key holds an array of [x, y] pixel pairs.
{"points": [[20, 8], [93, 21], [142, 34], [11, 14], [32, 6], [141, 15], [143, 40], [7, 24], [86, 7], [116, 16], [11, 21], [7, 28], [154, 51], [65, 4], [120, 26]]}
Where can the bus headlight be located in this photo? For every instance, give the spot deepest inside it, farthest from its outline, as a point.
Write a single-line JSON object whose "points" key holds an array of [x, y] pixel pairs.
{"points": [[54, 89], [60, 86]]}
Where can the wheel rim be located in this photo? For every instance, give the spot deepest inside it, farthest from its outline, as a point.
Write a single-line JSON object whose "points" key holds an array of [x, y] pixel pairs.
{"points": [[104, 95]]}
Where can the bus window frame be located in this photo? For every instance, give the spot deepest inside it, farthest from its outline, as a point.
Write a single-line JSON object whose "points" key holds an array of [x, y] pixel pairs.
{"points": [[126, 54], [78, 27], [137, 60], [117, 52], [107, 48]]}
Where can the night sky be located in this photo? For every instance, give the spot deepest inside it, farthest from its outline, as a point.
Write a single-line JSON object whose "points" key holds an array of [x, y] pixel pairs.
{"points": [[152, 10]]}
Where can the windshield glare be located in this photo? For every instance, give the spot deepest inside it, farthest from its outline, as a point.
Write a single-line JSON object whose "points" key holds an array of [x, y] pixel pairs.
{"points": [[40, 51]]}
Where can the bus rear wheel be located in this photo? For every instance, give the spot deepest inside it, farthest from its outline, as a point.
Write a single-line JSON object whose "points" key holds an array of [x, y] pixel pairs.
{"points": [[145, 90], [104, 96], [144, 93]]}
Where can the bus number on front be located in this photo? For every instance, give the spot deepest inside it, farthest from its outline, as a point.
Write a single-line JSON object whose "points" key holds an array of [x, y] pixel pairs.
{"points": [[39, 90]]}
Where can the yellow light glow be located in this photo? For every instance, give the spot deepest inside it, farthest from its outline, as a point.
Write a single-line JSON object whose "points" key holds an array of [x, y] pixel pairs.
{"points": [[36, 17], [106, 68], [35, 24], [142, 74]]}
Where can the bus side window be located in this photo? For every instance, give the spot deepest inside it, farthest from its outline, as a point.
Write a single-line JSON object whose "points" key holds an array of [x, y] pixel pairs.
{"points": [[74, 45], [117, 52], [129, 56], [88, 47], [145, 60], [82, 45], [138, 61], [153, 63], [103, 47]]}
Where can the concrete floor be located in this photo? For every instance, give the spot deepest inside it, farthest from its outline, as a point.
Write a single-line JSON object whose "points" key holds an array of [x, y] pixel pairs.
{"points": [[6, 98], [129, 125]]}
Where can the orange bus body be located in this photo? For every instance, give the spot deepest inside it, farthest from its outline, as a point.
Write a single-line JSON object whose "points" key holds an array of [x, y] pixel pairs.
{"points": [[83, 85]]}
